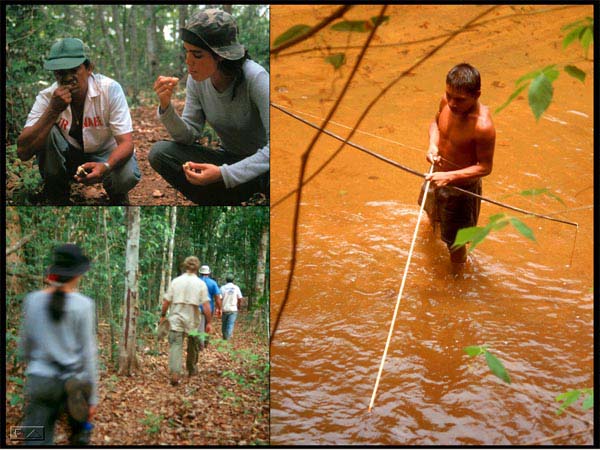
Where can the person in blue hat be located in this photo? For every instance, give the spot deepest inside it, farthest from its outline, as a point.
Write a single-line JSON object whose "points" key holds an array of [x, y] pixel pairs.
{"points": [[231, 92], [80, 129], [57, 342]]}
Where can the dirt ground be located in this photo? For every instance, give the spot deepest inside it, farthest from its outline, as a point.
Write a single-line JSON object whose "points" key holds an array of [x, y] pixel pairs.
{"points": [[226, 403]]}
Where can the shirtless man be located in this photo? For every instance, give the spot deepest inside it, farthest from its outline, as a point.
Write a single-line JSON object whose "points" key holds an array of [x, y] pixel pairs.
{"points": [[461, 145]]}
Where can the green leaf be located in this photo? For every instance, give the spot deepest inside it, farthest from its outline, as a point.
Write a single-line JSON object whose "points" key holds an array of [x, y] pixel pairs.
{"points": [[376, 19], [497, 367], [17, 380], [540, 95], [528, 76], [15, 399], [568, 398], [510, 99], [534, 191], [569, 38], [522, 228], [337, 60], [555, 197], [551, 73], [575, 72], [586, 39], [474, 350], [291, 33], [496, 217], [469, 234], [360, 26], [589, 401]]}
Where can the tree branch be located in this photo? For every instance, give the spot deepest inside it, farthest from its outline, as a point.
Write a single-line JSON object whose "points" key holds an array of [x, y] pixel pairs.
{"points": [[336, 14]]}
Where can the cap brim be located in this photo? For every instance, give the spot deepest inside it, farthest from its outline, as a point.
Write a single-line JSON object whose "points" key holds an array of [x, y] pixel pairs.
{"points": [[63, 63], [231, 52], [71, 272]]}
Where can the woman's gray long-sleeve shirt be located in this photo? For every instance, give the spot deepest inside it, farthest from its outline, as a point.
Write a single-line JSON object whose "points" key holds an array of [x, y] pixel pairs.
{"points": [[64, 348], [242, 124]]}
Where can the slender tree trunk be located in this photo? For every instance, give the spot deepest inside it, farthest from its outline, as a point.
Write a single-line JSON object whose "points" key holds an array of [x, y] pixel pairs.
{"points": [[134, 52], [171, 242], [109, 309], [182, 18], [151, 42], [106, 39], [259, 285], [128, 362], [163, 271], [122, 64]]}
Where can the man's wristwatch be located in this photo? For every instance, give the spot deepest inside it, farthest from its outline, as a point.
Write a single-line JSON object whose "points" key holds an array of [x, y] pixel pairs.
{"points": [[107, 165]]}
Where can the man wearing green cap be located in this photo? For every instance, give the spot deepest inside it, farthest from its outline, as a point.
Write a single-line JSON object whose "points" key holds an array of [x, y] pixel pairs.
{"points": [[231, 92], [80, 128]]}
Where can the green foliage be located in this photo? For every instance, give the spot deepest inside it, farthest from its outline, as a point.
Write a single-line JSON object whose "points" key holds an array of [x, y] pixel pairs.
{"points": [[494, 364], [540, 81], [359, 26], [570, 397], [337, 60], [291, 33], [476, 235], [147, 321], [540, 191], [151, 422], [582, 30]]}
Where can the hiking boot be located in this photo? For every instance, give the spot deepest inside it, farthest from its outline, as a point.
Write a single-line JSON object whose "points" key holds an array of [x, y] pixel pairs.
{"points": [[78, 393], [118, 199]]}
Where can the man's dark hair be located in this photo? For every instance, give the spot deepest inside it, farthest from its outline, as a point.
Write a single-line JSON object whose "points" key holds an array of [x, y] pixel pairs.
{"points": [[229, 278], [464, 77]]}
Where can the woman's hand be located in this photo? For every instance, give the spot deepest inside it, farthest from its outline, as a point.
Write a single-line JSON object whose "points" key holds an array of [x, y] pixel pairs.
{"points": [[164, 87], [201, 174]]}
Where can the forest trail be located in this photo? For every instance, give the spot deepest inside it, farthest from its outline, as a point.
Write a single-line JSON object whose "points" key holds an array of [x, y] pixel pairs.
{"points": [[226, 403]]}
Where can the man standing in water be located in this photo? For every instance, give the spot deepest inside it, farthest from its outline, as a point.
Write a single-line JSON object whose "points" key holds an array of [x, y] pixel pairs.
{"points": [[461, 146]]}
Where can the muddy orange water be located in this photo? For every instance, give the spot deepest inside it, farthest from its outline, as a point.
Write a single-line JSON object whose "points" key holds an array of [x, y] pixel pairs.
{"points": [[522, 299]]}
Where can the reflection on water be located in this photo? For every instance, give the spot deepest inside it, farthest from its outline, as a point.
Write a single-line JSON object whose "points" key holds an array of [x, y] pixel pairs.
{"points": [[327, 352]]}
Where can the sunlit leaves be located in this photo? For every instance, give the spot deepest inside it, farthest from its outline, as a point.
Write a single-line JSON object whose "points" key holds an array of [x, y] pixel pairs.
{"points": [[291, 33], [583, 30], [337, 60], [475, 235], [570, 397], [575, 72], [494, 364], [360, 26]]}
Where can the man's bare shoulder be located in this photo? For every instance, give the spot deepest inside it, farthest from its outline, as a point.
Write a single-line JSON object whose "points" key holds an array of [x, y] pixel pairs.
{"points": [[485, 125]]}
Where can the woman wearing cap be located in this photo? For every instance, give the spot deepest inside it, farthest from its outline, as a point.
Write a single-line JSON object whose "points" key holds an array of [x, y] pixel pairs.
{"points": [[231, 92], [58, 343]]}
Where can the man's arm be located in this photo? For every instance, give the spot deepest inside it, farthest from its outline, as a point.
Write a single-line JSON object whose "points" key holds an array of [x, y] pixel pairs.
{"points": [[434, 135], [165, 308], [219, 300], [207, 316], [484, 147], [33, 138]]}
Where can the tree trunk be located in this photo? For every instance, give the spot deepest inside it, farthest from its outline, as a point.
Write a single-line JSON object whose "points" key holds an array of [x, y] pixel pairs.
{"points": [[259, 285], [163, 267], [127, 358], [133, 53], [227, 8], [171, 243], [14, 258], [109, 309], [182, 18], [122, 64], [106, 39], [151, 42]]}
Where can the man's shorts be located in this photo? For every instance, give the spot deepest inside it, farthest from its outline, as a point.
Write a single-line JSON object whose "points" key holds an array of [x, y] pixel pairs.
{"points": [[452, 209]]}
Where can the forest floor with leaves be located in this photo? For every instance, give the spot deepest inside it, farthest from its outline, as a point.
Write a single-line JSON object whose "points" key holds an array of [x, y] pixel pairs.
{"points": [[24, 185], [226, 403]]}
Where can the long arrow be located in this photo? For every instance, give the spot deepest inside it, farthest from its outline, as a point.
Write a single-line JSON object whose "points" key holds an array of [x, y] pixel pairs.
{"points": [[416, 172]]}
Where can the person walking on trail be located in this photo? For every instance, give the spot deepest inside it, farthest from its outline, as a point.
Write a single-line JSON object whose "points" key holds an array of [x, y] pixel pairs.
{"points": [[214, 294], [231, 299], [231, 92], [461, 147], [185, 296], [58, 343], [80, 129]]}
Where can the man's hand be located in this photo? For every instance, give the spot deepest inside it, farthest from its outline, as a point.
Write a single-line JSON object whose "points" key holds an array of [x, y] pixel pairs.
{"points": [[218, 312], [201, 174], [95, 173], [61, 98], [164, 87], [92, 412], [440, 179], [433, 154], [162, 319], [208, 328]]}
